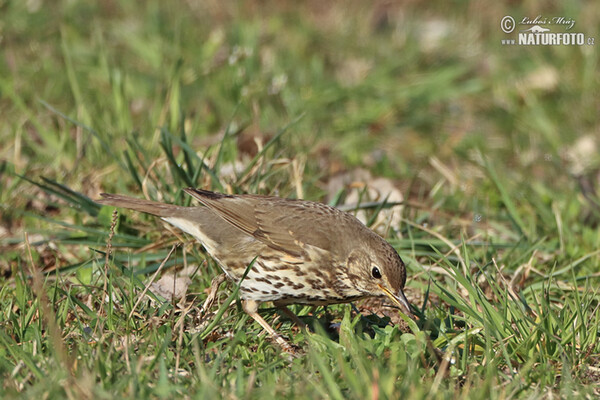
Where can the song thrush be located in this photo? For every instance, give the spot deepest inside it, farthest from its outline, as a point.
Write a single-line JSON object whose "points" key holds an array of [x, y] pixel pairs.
{"points": [[306, 252]]}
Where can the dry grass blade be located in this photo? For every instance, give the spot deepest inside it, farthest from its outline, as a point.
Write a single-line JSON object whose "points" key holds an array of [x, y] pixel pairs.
{"points": [[55, 333], [141, 296]]}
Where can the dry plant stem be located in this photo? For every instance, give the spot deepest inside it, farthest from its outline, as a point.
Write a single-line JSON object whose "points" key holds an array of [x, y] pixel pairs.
{"points": [[151, 280], [297, 174], [453, 249], [214, 289], [443, 239], [126, 352], [111, 234], [388, 224], [508, 285], [179, 326], [49, 318], [184, 312], [159, 244], [48, 313], [443, 369], [178, 351]]}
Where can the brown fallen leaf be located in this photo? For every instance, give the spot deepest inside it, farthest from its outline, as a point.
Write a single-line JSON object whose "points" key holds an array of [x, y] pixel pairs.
{"points": [[171, 287]]}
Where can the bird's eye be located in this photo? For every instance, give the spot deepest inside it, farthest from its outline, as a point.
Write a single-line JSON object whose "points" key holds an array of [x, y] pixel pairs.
{"points": [[375, 272]]}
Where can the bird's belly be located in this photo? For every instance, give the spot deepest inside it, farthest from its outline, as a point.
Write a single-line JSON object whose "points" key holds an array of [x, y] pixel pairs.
{"points": [[294, 286], [274, 276]]}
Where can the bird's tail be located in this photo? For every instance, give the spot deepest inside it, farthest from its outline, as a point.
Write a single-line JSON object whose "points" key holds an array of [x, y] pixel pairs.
{"points": [[145, 206]]}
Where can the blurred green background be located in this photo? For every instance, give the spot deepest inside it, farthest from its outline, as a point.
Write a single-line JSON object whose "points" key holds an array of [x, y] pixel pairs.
{"points": [[385, 83]]}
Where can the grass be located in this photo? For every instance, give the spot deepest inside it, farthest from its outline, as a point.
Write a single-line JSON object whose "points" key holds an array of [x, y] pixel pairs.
{"points": [[493, 147]]}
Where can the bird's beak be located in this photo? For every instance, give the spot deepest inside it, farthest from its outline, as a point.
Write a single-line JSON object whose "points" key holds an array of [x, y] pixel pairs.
{"points": [[400, 300]]}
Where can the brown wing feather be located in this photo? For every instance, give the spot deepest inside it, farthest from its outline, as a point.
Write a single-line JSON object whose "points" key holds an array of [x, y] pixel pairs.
{"points": [[241, 212], [233, 209], [283, 224]]}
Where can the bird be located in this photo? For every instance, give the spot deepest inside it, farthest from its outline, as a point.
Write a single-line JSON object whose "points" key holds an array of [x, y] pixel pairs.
{"points": [[292, 251]]}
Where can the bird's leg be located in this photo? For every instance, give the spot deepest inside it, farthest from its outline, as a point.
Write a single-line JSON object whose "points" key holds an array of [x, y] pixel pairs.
{"points": [[214, 288], [251, 308], [291, 315]]}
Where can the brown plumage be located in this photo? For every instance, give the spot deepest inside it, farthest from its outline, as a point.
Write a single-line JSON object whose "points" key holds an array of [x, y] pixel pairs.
{"points": [[306, 252]]}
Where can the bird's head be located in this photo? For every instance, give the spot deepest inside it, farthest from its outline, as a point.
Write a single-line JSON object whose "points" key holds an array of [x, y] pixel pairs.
{"points": [[378, 270]]}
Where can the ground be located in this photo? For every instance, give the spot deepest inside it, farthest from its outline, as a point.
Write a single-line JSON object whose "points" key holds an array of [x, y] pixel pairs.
{"points": [[475, 158]]}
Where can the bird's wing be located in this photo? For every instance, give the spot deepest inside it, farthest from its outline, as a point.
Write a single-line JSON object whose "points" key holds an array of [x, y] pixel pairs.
{"points": [[279, 223]]}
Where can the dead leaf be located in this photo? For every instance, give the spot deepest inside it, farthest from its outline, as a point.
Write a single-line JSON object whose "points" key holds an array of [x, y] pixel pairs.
{"points": [[361, 187], [171, 287]]}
